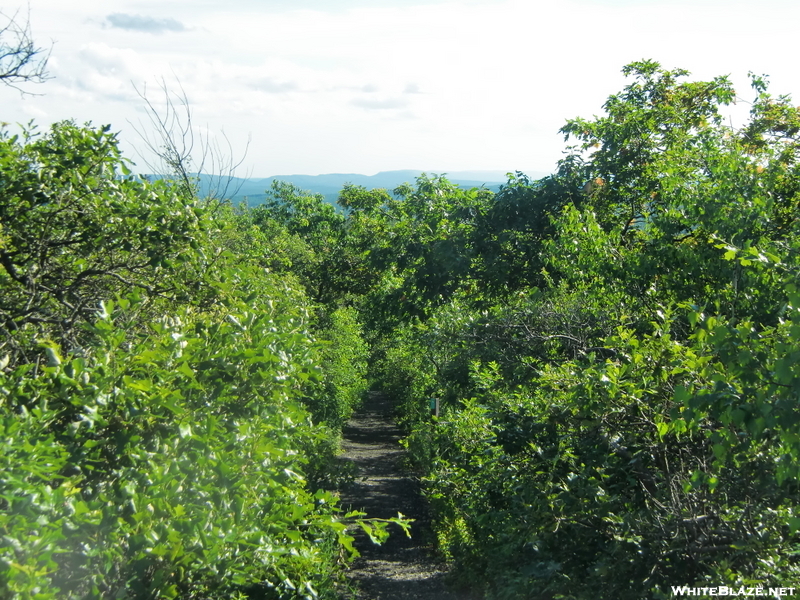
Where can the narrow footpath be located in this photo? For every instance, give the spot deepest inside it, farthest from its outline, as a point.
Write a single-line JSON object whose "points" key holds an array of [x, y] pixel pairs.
{"points": [[400, 568]]}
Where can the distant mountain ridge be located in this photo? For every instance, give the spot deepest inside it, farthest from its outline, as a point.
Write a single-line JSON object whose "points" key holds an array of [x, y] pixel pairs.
{"points": [[253, 189]]}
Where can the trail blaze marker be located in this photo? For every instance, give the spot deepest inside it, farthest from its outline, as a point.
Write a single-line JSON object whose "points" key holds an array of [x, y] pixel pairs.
{"points": [[435, 407]]}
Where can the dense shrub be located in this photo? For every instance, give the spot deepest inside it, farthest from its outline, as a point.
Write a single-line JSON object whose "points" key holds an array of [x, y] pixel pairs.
{"points": [[165, 464], [615, 351], [632, 424], [77, 230], [344, 368], [153, 440]]}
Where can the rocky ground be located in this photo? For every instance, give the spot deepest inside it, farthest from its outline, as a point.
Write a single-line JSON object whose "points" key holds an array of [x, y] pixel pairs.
{"points": [[401, 568]]}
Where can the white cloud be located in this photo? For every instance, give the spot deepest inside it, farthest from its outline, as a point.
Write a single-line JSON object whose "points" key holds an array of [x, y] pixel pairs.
{"points": [[379, 103], [144, 23], [33, 111], [110, 73], [374, 86], [273, 86]]}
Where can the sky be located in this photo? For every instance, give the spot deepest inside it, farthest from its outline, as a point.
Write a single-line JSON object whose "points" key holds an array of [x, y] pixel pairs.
{"points": [[362, 86]]}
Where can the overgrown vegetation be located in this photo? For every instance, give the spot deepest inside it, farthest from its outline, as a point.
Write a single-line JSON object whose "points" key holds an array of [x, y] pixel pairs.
{"points": [[614, 347], [155, 390], [619, 364]]}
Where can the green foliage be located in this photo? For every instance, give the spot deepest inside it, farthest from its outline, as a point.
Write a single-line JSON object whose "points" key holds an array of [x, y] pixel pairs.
{"points": [[626, 474], [432, 242], [177, 466], [405, 372], [76, 229], [344, 369], [152, 378], [614, 349], [508, 236], [655, 127], [315, 231], [632, 421]]}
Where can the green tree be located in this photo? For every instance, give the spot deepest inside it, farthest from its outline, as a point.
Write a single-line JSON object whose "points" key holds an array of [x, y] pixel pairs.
{"points": [[630, 423], [78, 229]]}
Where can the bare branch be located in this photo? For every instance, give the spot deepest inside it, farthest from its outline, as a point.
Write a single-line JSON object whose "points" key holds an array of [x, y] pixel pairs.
{"points": [[21, 61], [182, 151]]}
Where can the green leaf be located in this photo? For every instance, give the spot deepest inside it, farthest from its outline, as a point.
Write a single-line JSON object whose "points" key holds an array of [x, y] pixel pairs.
{"points": [[794, 524]]}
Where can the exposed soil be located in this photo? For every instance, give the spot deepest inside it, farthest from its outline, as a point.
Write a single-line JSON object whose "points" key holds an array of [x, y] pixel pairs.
{"points": [[400, 568]]}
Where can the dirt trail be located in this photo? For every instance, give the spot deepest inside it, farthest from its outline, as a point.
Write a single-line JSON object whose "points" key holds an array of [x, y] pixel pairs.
{"points": [[401, 568]]}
